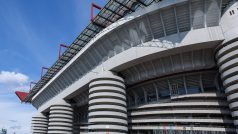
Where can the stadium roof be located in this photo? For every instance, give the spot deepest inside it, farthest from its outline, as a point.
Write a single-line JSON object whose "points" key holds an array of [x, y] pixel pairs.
{"points": [[110, 13]]}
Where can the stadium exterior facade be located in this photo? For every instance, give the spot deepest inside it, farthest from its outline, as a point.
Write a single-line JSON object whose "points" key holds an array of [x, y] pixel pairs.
{"points": [[170, 67]]}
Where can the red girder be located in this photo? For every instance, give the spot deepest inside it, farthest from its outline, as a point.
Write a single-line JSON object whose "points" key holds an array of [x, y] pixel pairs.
{"points": [[91, 11], [61, 45], [31, 85], [21, 95], [42, 70]]}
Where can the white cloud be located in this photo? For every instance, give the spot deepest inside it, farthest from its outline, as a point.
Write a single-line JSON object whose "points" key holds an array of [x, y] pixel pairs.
{"points": [[23, 88], [13, 81], [15, 78], [15, 116]]}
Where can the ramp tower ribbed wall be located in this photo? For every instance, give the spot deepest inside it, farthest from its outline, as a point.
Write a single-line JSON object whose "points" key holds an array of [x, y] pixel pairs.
{"points": [[107, 105], [227, 58], [61, 118], [39, 124]]}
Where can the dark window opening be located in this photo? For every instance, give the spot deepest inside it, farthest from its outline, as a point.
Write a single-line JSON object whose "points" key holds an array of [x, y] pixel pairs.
{"points": [[141, 100], [210, 89], [151, 97], [193, 90], [165, 94]]}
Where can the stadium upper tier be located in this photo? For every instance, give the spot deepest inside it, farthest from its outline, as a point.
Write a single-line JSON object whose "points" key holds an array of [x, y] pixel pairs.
{"points": [[110, 13], [164, 25]]}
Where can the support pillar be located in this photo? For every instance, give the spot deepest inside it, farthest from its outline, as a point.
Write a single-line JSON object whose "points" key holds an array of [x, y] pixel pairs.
{"points": [[227, 59], [228, 68], [107, 105], [39, 124], [61, 118]]}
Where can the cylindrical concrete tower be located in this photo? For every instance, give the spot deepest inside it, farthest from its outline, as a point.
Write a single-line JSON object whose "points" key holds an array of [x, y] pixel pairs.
{"points": [[227, 57], [39, 124], [61, 118], [107, 105]]}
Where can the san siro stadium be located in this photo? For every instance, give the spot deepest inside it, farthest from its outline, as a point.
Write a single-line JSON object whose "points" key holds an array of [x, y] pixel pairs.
{"points": [[145, 67]]}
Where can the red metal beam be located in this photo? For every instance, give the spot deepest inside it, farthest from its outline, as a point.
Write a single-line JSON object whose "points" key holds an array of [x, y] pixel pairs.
{"points": [[21, 95], [42, 70], [61, 45], [91, 11], [31, 86]]}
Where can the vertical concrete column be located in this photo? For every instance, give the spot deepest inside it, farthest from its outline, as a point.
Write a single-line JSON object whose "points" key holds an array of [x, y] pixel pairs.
{"points": [[39, 124], [61, 118], [227, 58], [107, 105]]}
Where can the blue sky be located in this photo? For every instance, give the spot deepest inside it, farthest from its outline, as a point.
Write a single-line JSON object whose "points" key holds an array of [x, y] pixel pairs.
{"points": [[30, 33]]}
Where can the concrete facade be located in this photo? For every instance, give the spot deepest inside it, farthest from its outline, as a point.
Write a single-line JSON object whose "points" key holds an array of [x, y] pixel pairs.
{"points": [[170, 67]]}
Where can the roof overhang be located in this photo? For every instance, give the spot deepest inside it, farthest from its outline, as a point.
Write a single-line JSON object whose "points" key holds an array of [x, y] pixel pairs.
{"points": [[110, 13]]}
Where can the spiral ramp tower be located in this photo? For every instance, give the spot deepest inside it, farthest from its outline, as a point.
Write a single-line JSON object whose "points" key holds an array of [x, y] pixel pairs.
{"points": [[61, 119], [39, 124], [107, 105], [227, 58]]}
